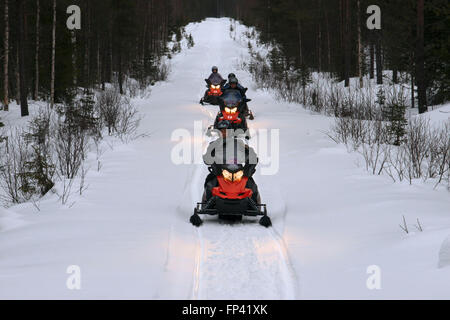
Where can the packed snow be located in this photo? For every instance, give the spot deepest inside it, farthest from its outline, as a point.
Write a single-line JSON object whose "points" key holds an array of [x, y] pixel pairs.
{"points": [[129, 232]]}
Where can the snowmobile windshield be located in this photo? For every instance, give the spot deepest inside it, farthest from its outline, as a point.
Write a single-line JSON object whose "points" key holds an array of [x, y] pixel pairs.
{"points": [[215, 79], [231, 98]]}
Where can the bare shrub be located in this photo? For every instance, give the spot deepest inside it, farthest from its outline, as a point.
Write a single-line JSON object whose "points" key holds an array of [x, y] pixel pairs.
{"points": [[162, 72], [71, 144], [418, 145], [15, 150], [108, 106], [26, 170], [128, 122], [117, 114], [424, 153]]}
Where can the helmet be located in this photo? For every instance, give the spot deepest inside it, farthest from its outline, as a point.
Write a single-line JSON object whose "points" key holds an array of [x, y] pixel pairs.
{"points": [[214, 68], [233, 80], [231, 75]]}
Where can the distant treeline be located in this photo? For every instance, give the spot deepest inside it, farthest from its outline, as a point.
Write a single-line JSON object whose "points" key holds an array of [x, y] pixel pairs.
{"points": [[42, 59], [331, 36]]}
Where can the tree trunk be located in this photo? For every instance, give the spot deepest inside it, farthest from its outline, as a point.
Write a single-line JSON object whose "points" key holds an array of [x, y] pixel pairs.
{"points": [[52, 78], [73, 39], [413, 100], [395, 75], [17, 73], [328, 40], [420, 59], [86, 48], [120, 79], [319, 38], [99, 68], [5, 60], [21, 48], [372, 61], [300, 50], [347, 40], [36, 57], [378, 56], [359, 45]]}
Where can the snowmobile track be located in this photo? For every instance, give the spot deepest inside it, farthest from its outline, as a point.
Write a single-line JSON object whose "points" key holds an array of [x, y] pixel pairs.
{"points": [[242, 261]]}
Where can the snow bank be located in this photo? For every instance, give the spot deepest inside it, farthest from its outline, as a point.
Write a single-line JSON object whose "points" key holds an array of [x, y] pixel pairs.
{"points": [[9, 220], [444, 253], [439, 114]]}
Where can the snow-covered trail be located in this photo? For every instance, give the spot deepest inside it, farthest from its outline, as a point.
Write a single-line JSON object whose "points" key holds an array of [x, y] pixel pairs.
{"points": [[240, 260]]}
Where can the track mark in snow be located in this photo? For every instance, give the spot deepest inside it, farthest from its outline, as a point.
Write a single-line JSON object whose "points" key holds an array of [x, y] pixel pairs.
{"points": [[242, 261]]}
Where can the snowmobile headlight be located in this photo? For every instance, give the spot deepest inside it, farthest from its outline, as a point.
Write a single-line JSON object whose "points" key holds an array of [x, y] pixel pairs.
{"points": [[227, 175], [227, 110], [238, 175], [233, 110]]}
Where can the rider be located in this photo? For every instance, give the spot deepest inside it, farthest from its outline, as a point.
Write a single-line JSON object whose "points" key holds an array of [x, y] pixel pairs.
{"points": [[240, 153], [215, 74], [214, 77], [233, 83]]}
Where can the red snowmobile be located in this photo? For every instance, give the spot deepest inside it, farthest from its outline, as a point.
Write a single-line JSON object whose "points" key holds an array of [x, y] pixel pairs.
{"points": [[213, 93], [231, 105], [231, 196]]}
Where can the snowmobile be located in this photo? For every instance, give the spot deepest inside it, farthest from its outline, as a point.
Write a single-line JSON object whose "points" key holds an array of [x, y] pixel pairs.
{"points": [[232, 198], [231, 109], [214, 91]]}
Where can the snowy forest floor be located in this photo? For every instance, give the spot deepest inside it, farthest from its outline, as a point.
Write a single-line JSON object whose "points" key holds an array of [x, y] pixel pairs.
{"points": [[129, 232]]}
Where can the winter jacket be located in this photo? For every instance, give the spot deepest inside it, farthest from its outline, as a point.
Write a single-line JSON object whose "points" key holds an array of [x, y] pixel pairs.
{"points": [[239, 87]]}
